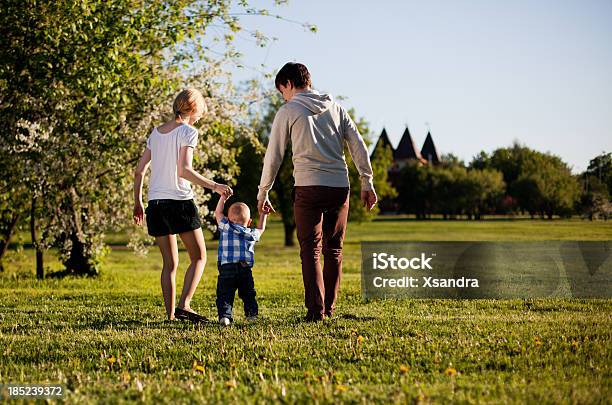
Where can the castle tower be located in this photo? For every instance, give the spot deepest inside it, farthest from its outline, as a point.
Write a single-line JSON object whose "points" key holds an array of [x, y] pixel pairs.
{"points": [[383, 141], [429, 151], [406, 150]]}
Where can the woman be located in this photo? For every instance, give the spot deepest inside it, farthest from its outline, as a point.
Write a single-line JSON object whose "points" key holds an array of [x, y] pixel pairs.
{"points": [[171, 210]]}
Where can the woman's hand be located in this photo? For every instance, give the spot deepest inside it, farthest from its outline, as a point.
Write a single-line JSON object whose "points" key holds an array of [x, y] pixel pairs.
{"points": [[138, 213], [223, 189]]}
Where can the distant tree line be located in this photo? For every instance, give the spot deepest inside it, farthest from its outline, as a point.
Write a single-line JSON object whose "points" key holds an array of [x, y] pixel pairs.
{"points": [[511, 180]]}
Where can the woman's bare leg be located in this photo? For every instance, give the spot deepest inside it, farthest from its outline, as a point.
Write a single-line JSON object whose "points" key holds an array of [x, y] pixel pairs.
{"points": [[169, 250], [194, 243]]}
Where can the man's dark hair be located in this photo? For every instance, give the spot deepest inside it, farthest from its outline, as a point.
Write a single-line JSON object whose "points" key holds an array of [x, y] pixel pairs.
{"points": [[296, 73]]}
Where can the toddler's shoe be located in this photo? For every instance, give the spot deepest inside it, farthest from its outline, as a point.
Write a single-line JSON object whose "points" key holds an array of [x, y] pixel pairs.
{"points": [[224, 321]]}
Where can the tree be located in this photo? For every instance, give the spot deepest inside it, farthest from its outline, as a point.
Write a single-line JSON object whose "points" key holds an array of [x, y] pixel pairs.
{"points": [[546, 186], [595, 198], [601, 168], [450, 160], [485, 192], [414, 193], [81, 84], [539, 183], [381, 161]]}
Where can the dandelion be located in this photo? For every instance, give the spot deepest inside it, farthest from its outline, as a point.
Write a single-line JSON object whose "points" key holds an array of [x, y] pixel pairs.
{"points": [[111, 360], [537, 341], [404, 369], [360, 339], [198, 366], [450, 371], [341, 388], [574, 345]]}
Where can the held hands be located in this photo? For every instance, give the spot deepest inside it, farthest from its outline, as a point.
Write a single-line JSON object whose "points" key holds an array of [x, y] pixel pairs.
{"points": [[369, 199], [224, 190], [265, 207]]}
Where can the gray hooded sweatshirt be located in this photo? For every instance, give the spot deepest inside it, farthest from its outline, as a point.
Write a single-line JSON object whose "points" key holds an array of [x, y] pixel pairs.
{"points": [[318, 127]]}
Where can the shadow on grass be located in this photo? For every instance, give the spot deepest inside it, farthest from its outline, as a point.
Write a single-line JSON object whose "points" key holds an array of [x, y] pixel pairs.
{"points": [[352, 317], [60, 274], [391, 218]]}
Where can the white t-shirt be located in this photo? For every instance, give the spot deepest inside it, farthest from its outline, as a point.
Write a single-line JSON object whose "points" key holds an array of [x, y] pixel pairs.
{"points": [[165, 148]]}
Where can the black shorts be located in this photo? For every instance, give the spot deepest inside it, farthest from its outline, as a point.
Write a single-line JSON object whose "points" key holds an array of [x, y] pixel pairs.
{"points": [[169, 217]]}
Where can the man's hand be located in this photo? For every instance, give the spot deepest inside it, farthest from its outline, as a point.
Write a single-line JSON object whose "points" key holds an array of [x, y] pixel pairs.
{"points": [[265, 206], [369, 199], [138, 214]]}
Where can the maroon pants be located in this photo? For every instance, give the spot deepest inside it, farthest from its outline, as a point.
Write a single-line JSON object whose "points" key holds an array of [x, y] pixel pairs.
{"points": [[320, 217]]}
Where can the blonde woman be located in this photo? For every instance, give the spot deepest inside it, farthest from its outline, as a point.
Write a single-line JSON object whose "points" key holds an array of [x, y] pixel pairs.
{"points": [[171, 209]]}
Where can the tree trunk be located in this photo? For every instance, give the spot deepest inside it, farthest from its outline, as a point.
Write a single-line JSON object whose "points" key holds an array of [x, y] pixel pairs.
{"points": [[6, 238], [40, 270], [78, 262]]}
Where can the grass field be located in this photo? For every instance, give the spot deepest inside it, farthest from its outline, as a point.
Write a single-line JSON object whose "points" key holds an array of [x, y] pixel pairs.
{"points": [[106, 340]]}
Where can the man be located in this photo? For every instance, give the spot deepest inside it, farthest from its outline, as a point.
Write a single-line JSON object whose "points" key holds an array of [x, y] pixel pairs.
{"points": [[318, 128]]}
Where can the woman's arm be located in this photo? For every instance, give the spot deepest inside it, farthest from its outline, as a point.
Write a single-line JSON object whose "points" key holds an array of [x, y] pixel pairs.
{"points": [[141, 168], [186, 171]]}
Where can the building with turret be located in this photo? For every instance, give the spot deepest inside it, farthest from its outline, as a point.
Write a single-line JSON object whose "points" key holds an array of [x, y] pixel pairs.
{"points": [[407, 151]]}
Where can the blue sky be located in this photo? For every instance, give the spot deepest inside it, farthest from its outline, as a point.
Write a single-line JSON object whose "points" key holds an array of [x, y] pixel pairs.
{"points": [[480, 73]]}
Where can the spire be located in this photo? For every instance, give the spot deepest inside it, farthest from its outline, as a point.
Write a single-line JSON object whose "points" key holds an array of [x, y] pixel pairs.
{"points": [[429, 151], [383, 141], [406, 149]]}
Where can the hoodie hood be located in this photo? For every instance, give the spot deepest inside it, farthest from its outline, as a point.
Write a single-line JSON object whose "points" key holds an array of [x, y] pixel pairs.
{"points": [[313, 101]]}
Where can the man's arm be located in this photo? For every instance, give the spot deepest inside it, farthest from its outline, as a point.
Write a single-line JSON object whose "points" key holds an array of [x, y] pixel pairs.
{"points": [[219, 210], [359, 153], [279, 137]]}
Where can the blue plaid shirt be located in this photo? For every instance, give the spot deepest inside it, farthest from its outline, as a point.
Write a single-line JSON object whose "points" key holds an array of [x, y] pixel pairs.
{"points": [[236, 243]]}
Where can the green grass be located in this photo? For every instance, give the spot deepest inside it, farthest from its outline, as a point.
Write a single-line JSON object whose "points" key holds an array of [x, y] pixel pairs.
{"points": [[68, 331]]}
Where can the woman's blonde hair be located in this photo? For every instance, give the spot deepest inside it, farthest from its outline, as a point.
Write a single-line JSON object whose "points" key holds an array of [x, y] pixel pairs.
{"points": [[188, 101]]}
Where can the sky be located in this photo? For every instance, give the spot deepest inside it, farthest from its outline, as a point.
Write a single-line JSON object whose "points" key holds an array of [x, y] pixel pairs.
{"points": [[478, 74]]}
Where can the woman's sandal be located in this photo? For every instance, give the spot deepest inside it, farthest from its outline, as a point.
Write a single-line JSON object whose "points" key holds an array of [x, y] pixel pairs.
{"points": [[190, 316]]}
